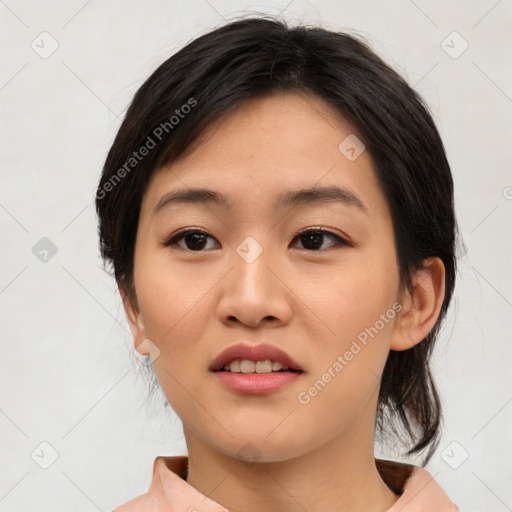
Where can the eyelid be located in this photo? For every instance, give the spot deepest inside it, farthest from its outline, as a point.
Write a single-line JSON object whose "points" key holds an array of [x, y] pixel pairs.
{"points": [[171, 240], [326, 231], [343, 240]]}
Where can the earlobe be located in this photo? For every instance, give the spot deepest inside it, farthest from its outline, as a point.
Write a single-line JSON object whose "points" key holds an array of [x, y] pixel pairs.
{"points": [[135, 321], [421, 308]]}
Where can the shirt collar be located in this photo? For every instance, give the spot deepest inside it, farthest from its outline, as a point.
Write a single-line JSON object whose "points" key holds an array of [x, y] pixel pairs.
{"points": [[419, 491]]}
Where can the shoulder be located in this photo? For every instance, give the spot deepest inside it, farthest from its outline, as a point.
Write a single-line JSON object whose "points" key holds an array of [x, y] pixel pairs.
{"points": [[146, 502], [421, 489], [167, 487], [418, 490], [141, 503]]}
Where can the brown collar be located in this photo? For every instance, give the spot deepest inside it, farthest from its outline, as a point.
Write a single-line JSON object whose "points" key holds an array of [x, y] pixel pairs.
{"points": [[394, 474]]}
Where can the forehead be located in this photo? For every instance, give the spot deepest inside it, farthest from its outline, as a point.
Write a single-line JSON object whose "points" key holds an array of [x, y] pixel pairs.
{"points": [[267, 147]]}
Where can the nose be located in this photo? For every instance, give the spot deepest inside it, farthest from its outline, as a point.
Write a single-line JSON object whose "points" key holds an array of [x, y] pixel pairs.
{"points": [[255, 291]]}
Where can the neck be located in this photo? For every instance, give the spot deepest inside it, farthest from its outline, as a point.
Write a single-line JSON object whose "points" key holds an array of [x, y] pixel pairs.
{"points": [[338, 475]]}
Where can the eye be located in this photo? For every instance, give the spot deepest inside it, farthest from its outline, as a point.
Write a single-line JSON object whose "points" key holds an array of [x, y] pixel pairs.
{"points": [[194, 239], [313, 238]]}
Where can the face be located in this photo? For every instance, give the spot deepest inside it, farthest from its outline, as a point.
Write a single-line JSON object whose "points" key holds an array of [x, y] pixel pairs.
{"points": [[316, 278]]}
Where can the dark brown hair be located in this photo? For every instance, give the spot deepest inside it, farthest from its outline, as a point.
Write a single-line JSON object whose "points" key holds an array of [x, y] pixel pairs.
{"points": [[253, 57]]}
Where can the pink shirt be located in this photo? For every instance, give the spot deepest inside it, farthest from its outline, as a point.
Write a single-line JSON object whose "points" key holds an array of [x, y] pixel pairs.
{"points": [[170, 492]]}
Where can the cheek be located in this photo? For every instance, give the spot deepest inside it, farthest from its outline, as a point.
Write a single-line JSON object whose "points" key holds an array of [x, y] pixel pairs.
{"points": [[348, 302], [176, 307], [343, 381], [173, 299], [358, 311]]}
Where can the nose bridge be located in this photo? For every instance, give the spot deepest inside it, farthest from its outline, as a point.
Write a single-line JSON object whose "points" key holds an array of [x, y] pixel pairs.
{"points": [[252, 292], [250, 266], [249, 250]]}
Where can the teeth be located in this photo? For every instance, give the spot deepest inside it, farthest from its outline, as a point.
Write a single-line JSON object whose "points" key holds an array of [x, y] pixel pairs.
{"points": [[276, 366], [263, 366], [234, 367], [246, 366]]}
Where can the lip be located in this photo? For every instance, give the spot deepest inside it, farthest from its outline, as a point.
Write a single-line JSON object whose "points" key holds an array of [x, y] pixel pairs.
{"points": [[253, 353], [256, 383]]}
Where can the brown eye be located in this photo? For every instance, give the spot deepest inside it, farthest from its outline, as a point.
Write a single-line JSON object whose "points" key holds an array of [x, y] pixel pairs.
{"points": [[313, 239], [194, 240]]}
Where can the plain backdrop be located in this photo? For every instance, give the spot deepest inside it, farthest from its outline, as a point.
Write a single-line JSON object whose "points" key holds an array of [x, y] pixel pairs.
{"points": [[77, 430]]}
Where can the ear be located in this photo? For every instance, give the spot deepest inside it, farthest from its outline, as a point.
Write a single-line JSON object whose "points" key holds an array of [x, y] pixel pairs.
{"points": [[420, 309], [135, 321]]}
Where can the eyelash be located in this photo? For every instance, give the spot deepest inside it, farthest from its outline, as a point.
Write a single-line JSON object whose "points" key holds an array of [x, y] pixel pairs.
{"points": [[173, 239]]}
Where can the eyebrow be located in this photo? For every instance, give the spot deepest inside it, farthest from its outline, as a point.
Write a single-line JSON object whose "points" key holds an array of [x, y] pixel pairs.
{"points": [[290, 198]]}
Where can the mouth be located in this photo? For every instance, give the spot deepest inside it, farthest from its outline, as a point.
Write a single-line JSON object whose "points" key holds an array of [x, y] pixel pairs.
{"points": [[260, 359], [262, 366], [255, 370]]}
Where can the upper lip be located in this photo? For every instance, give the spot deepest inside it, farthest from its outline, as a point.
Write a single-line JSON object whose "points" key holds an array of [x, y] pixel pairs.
{"points": [[253, 353]]}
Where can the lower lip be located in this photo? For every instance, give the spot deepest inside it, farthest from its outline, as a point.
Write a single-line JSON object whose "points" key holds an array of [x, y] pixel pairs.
{"points": [[256, 383]]}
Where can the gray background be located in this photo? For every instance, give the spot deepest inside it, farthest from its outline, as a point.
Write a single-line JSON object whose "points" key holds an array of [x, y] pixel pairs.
{"points": [[69, 377]]}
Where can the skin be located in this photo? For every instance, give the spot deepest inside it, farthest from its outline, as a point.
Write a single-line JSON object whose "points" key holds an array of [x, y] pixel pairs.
{"points": [[311, 303]]}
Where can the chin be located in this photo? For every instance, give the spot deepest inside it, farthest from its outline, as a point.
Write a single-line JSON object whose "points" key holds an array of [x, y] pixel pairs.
{"points": [[253, 449]]}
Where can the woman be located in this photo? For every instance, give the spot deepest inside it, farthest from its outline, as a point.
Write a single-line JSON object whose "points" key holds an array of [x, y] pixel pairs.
{"points": [[278, 210]]}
